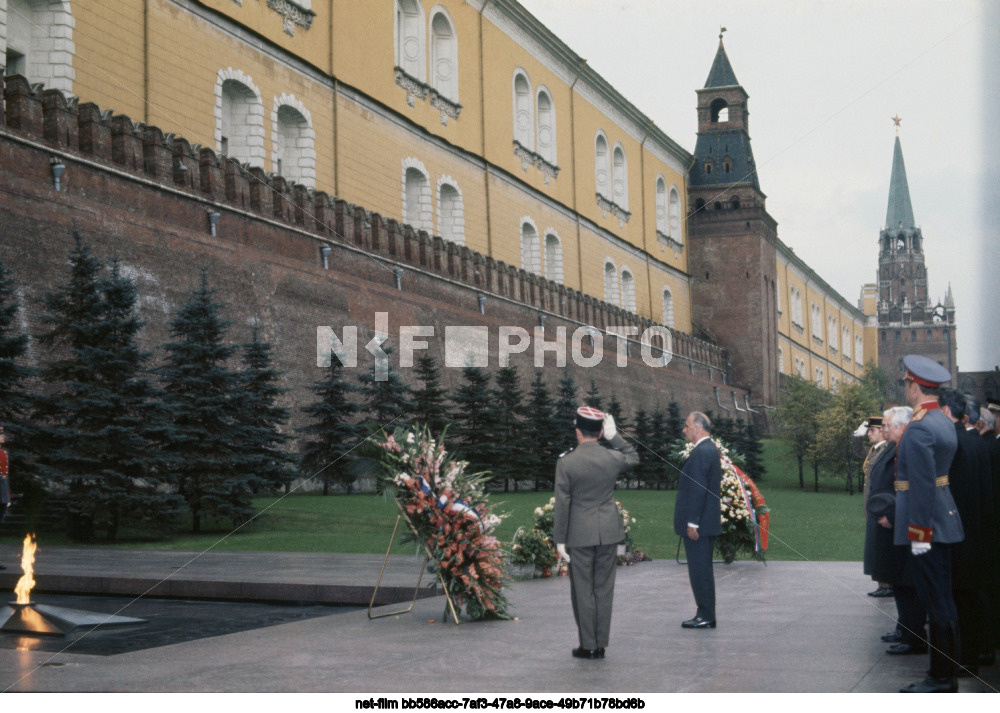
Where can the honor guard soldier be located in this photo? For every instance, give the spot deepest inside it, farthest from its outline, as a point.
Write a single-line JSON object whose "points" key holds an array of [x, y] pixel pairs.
{"points": [[586, 525], [927, 521], [4, 483]]}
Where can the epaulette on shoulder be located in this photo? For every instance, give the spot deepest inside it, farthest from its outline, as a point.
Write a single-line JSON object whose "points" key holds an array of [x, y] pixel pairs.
{"points": [[919, 414], [567, 452]]}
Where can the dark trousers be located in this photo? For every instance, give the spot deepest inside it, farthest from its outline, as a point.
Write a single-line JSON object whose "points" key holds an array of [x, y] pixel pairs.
{"points": [[974, 622], [592, 587], [912, 616], [701, 573], [932, 580]]}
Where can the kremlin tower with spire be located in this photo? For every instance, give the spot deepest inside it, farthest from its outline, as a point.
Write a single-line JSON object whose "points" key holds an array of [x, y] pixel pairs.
{"points": [[907, 321]]}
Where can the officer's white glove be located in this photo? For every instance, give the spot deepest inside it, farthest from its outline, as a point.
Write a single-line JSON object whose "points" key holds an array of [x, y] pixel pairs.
{"points": [[862, 429], [610, 429], [920, 548], [561, 549]]}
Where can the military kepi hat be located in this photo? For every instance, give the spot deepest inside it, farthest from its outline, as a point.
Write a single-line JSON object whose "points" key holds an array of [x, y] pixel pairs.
{"points": [[874, 421], [924, 371], [589, 418]]}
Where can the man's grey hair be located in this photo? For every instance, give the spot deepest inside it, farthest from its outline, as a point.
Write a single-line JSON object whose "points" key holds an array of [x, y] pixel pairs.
{"points": [[899, 415], [702, 420], [987, 418]]}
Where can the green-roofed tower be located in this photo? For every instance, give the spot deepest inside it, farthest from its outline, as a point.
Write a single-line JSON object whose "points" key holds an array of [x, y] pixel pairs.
{"points": [[908, 323], [732, 258]]}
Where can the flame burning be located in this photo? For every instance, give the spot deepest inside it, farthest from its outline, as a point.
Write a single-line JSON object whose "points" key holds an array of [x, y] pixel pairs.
{"points": [[27, 581]]}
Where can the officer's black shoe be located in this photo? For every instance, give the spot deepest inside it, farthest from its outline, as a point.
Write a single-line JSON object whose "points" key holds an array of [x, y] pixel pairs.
{"points": [[932, 685], [698, 623], [893, 637], [582, 653], [881, 592], [600, 652], [2, 567], [902, 649]]}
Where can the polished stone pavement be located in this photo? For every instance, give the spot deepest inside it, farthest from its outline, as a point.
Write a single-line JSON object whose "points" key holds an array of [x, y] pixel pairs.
{"points": [[784, 627]]}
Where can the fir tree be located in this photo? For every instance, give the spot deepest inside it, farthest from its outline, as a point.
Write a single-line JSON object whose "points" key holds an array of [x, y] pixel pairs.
{"points": [[645, 472], [544, 430], [475, 419], [565, 412], [210, 458], [661, 444], [104, 420], [15, 401], [387, 401], [512, 446], [615, 409], [333, 433], [429, 405], [594, 396], [753, 453], [266, 455], [675, 422]]}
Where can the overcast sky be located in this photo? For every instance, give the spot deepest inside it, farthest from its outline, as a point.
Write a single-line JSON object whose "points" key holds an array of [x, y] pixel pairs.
{"points": [[824, 79]]}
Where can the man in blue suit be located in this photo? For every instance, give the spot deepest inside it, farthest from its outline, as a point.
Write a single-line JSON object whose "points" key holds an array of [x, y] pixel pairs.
{"points": [[927, 520], [698, 515]]}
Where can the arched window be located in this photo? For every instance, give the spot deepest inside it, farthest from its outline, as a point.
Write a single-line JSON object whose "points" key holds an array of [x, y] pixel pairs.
{"points": [[553, 257], [524, 122], [410, 38], [781, 360], [444, 56], [293, 152], [859, 344], [661, 206], [831, 331], [668, 307], [610, 282], [531, 258], [239, 118], [675, 215], [628, 290], [451, 215], [719, 111], [620, 177], [39, 37], [816, 321], [546, 126], [416, 196], [603, 166], [845, 341]]}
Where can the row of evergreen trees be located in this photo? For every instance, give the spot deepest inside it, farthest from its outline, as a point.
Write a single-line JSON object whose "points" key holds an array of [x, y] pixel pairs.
{"points": [[138, 446]]}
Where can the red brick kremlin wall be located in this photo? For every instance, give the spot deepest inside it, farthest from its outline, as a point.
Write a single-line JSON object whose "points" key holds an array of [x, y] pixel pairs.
{"points": [[124, 190]]}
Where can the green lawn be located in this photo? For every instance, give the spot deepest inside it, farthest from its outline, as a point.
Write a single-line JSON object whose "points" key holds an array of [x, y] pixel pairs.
{"points": [[805, 525]]}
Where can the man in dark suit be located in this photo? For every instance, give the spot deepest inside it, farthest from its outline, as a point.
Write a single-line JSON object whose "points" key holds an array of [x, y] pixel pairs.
{"points": [[586, 525], [926, 517], [698, 516], [969, 479], [881, 451]]}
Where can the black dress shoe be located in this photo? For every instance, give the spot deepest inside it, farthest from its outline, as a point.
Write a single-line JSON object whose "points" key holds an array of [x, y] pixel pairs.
{"points": [[932, 684], [2, 567], [698, 623], [881, 592], [582, 653], [893, 637], [600, 652], [906, 649]]}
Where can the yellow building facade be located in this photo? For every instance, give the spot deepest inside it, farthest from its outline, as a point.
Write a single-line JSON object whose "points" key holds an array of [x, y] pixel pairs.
{"points": [[468, 119], [821, 336]]}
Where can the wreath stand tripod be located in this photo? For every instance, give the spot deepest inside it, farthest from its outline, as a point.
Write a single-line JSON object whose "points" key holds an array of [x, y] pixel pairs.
{"points": [[401, 515]]}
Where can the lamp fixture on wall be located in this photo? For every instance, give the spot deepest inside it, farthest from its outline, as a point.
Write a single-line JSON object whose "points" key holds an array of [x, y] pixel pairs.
{"points": [[58, 167]]}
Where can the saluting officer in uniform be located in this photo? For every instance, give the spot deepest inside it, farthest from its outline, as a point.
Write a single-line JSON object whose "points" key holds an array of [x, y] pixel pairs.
{"points": [[927, 520], [586, 524]]}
